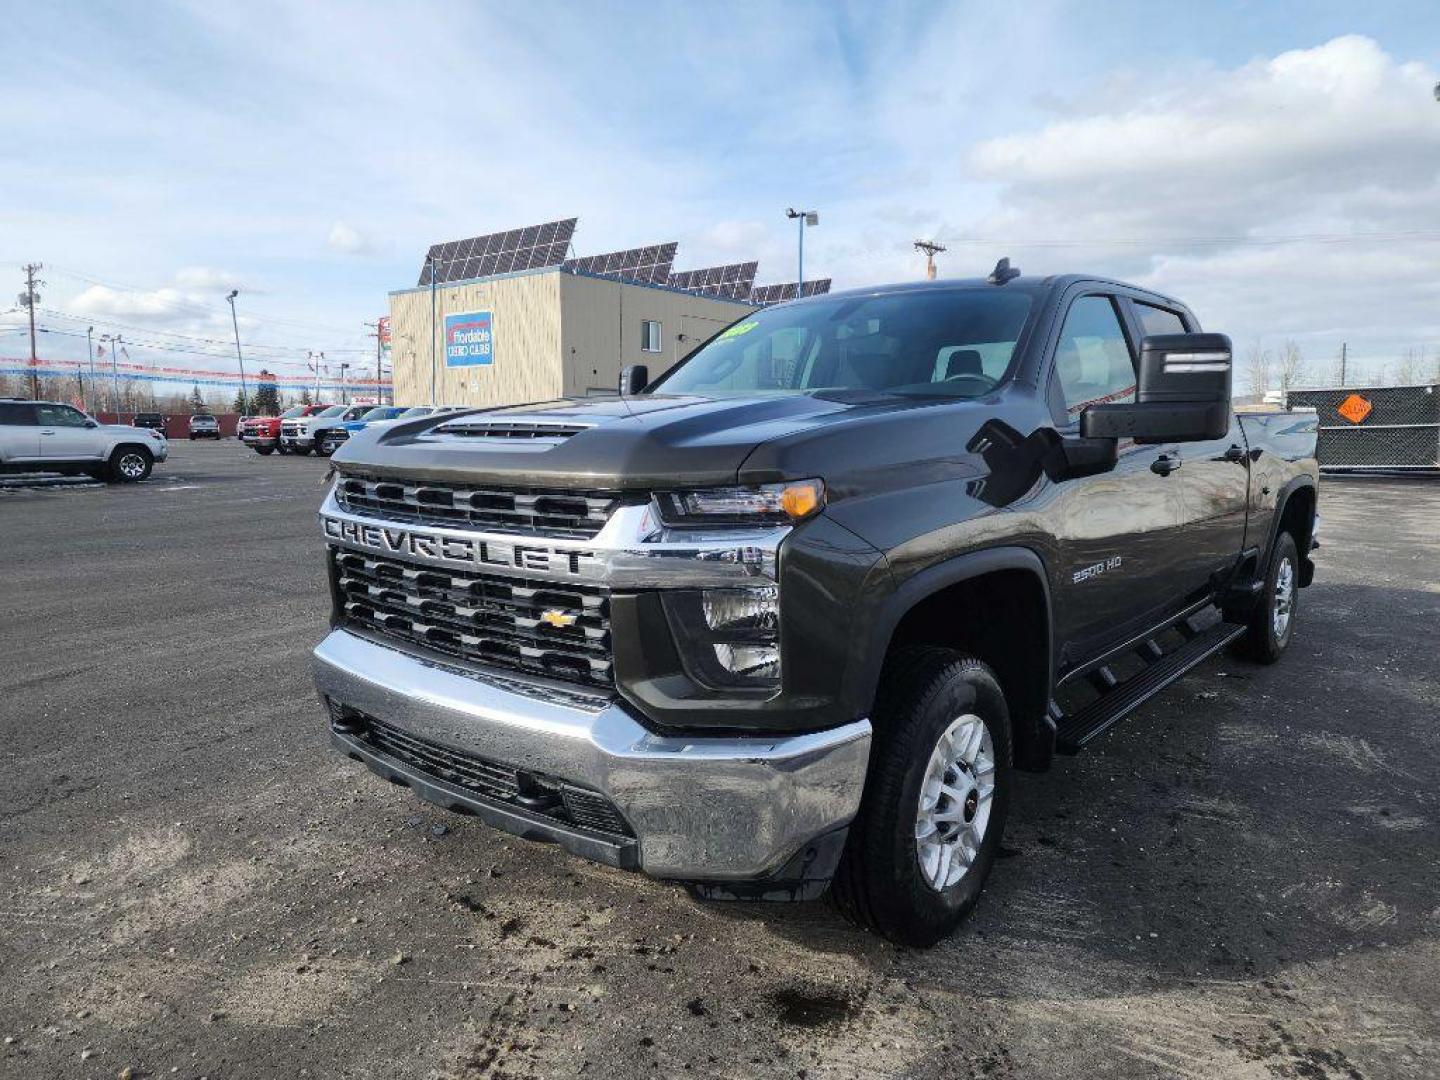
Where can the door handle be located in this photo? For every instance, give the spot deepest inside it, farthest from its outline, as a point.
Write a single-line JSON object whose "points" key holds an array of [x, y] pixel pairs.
{"points": [[47, 431], [1234, 453], [1165, 464]]}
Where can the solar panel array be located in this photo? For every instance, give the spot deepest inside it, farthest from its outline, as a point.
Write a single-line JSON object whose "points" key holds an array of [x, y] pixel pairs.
{"points": [[500, 253], [647, 265], [774, 294], [732, 282]]}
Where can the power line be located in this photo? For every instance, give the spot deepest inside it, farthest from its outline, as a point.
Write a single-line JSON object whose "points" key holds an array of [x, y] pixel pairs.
{"points": [[1239, 241], [218, 342]]}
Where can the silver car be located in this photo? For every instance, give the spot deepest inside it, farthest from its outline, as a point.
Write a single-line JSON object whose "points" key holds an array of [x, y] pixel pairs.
{"points": [[48, 436]]}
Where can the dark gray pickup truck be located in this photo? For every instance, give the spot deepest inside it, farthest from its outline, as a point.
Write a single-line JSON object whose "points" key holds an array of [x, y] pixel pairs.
{"points": [[787, 619]]}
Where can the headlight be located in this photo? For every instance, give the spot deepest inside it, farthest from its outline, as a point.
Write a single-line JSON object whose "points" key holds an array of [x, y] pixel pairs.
{"points": [[792, 501]]}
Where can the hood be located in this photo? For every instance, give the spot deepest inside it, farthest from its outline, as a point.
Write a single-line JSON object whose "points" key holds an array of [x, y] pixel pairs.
{"points": [[648, 441]]}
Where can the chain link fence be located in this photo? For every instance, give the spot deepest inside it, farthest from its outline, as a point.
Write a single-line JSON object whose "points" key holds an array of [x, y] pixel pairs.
{"points": [[1375, 427]]}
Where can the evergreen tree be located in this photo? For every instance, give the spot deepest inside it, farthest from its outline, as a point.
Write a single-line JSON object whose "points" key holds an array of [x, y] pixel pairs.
{"points": [[240, 405], [305, 398], [267, 395], [197, 400]]}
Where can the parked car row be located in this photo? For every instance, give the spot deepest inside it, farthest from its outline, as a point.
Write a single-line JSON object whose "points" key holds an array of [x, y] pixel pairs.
{"points": [[322, 429]]}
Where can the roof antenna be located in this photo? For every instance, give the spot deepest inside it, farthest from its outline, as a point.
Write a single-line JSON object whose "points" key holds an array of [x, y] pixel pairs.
{"points": [[1003, 272]]}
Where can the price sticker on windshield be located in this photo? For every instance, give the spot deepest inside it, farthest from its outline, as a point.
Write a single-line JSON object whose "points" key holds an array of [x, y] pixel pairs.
{"points": [[738, 329]]}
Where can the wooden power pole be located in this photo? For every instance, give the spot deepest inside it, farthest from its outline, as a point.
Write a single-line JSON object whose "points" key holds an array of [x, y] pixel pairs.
{"points": [[30, 298], [931, 249]]}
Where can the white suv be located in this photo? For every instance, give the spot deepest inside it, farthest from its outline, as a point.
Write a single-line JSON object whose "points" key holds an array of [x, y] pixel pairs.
{"points": [[302, 435], [46, 436]]}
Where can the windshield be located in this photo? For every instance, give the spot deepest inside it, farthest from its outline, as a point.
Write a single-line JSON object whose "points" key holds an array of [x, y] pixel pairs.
{"points": [[927, 343], [419, 410], [382, 412], [333, 410], [298, 410]]}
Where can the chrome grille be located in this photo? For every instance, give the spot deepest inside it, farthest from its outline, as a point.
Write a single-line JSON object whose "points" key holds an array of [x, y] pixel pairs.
{"points": [[481, 618], [289, 428], [564, 514]]}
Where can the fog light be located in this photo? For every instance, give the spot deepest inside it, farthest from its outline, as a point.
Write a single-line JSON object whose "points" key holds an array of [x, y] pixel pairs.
{"points": [[750, 661]]}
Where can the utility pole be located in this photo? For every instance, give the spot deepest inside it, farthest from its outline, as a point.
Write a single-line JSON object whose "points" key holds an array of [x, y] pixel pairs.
{"points": [[114, 340], [235, 322], [344, 390], [1343, 349], [931, 249], [29, 298], [379, 337], [804, 217], [315, 361], [90, 348]]}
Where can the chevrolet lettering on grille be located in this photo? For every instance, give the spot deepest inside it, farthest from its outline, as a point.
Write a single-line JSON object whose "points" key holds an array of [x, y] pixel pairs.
{"points": [[445, 549]]}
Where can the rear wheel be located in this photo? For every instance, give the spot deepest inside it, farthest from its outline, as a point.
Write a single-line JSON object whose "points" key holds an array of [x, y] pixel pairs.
{"points": [[266, 451], [130, 464], [1272, 623], [936, 799]]}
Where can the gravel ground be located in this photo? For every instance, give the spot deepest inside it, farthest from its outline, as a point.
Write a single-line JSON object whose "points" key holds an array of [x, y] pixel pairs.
{"points": [[1242, 880]]}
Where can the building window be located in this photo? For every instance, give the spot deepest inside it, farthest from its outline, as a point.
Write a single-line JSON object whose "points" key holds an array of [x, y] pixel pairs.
{"points": [[650, 336]]}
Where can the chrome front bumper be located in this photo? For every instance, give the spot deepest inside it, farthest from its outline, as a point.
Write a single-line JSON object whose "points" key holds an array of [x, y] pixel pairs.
{"points": [[711, 809]]}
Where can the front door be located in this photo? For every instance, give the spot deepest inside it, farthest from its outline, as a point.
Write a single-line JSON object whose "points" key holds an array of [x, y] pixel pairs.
{"points": [[67, 434], [1214, 476], [1116, 533]]}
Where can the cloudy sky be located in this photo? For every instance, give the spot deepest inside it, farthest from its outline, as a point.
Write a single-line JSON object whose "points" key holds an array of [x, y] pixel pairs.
{"points": [[1275, 165]]}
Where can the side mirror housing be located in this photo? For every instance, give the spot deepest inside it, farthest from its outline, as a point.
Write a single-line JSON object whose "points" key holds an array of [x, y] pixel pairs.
{"points": [[91, 423], [633, 379], [1183, 396]]}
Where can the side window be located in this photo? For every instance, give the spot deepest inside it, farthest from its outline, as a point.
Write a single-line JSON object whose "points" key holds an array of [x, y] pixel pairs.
{"points": [[14, 415], [1092, 359], [1158, 320], [60, 416]]}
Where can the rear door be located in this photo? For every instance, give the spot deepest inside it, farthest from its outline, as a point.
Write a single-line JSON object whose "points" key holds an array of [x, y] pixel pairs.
{"points": [[67, 434], [19, 437], [1115, 532], [1214, 476]]}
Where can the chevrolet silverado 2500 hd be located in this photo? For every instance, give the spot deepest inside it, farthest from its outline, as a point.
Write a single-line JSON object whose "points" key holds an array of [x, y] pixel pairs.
{"points": [[789, 618]]}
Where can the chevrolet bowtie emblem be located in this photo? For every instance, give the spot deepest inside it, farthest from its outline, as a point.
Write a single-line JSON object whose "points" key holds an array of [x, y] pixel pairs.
{"points": [[556, 617]]}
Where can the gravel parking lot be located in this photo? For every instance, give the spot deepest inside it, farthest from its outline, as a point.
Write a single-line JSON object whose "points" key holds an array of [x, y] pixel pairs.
{"points": [[1242, 880]]}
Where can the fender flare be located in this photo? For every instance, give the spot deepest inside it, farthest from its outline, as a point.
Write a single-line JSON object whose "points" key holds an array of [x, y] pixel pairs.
{"points": [[1282, 502], [933, 579]]}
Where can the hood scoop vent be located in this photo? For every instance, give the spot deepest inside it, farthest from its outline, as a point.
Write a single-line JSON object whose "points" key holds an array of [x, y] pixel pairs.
{"points": [[509, 431]]}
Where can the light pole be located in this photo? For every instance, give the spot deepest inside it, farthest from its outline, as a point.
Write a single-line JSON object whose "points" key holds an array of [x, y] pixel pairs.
{"points": [[239, 359], [804, 217], [430, 258], [344, 389]]}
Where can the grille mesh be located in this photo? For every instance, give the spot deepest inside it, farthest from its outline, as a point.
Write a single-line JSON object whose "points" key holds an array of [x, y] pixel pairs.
{"points": [[481, 618], [561, 514], [544, 795]]}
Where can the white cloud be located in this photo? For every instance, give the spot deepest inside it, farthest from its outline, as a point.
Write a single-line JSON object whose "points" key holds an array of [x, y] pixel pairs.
{"points": [[345, 238], [1235, 190], [208, 278]]}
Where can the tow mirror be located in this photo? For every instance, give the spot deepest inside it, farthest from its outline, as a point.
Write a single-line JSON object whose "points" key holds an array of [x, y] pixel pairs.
{"points": [[633, 379], [1183, 396]]}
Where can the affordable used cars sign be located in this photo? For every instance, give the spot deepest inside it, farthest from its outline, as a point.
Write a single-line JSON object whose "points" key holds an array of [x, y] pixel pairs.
{"points": [[469, 339]]}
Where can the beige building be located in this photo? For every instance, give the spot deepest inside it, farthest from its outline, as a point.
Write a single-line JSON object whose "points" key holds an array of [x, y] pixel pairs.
{"points": [[541, 334]]}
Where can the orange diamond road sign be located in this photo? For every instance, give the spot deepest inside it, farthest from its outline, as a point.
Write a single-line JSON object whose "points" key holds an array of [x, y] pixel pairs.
{"points": [[1354, 408]]}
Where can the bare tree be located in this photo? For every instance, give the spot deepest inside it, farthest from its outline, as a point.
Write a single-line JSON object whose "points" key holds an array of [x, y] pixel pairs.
{"points": [[1407, 368], [1292, 366], [1257, 367]]}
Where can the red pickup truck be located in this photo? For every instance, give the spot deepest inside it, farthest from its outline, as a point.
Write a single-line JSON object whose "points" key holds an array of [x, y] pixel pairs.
{"points": [[262, 433]]}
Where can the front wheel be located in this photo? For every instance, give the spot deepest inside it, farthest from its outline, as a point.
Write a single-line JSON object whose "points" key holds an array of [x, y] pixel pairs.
{"points": [[265, 451], [130, 464], [283, 449], [1272, 623], [936, 798]]}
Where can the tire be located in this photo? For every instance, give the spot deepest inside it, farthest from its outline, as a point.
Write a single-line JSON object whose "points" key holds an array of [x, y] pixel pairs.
{"points": [[300, 451], [129, 465], [323, 448], [930, 699], [264, 451], [192, 438], [1271, 626], [282, 449]]}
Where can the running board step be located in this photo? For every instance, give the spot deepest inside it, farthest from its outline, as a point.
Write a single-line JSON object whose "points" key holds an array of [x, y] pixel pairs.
{"points": [[1075, 731]]}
